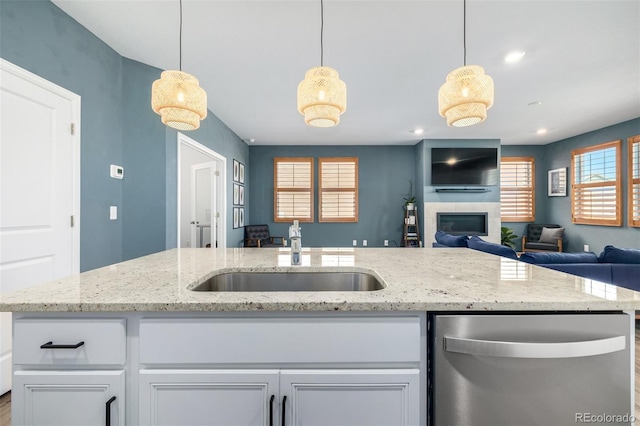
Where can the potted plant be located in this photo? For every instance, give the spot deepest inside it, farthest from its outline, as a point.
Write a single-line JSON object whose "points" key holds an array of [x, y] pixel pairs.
{"points": [[410, 199], [507, 237]]}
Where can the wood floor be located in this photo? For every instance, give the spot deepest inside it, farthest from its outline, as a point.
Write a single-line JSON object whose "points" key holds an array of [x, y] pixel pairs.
{"points": [[5, 400]]}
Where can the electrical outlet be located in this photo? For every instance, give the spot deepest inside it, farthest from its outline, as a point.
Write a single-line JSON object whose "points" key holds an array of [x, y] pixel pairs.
{"points": [[355, 243], [386, 243], [586, 247], [113, 212], [364, 243]]}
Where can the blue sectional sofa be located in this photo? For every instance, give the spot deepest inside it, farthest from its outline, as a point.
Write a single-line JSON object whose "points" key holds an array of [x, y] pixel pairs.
{"points": [[616, 266]]}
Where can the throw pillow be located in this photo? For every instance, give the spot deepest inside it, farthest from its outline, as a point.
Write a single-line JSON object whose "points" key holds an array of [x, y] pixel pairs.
{"points": [[451, 240], [613, 254], [551, 235]]}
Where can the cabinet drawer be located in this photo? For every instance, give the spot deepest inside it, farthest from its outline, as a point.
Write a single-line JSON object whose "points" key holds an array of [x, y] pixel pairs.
{"points": [[104, 341], [307, 339]]}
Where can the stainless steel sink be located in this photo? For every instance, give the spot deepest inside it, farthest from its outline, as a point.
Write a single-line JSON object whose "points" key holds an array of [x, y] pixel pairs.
{"points": [[291, 281]]}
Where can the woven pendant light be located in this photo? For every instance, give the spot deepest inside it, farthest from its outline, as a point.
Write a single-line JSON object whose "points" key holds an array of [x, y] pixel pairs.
{"points": [[178, 98], [322, 96], [467, 93]]}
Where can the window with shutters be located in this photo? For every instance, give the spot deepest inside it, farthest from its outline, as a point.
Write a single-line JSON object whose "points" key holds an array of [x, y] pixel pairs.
{"points": [[517, 189], [292, 189], [338, 192], [634, 181], [596, 185]]}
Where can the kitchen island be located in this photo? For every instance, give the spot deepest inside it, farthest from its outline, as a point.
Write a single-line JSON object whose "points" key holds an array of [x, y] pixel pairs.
{"points": [[133, 340]]}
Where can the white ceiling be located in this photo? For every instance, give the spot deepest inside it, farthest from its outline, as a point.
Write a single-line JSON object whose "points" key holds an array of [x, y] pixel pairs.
{"points": [[582, 62]]}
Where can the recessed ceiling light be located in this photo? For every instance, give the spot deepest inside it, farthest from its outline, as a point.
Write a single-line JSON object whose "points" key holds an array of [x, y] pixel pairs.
{"points": [[514, 56], [418, 131], [534, 103], [252, 140], [541, 131]]}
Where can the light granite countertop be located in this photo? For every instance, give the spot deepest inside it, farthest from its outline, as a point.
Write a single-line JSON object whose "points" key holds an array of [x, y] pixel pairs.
{"points": [[443, 279]]}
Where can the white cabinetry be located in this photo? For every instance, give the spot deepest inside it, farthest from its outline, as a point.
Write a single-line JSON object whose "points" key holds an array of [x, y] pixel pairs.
{"points": [[70, 398], [261, 369], [68, 371]]}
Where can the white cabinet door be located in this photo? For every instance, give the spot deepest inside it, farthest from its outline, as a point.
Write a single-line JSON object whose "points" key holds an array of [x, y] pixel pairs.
{"points": [[68, 398], [208, 397], [351, 397]]}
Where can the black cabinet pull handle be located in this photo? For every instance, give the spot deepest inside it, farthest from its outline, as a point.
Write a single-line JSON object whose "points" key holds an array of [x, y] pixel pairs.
{"points": [[271, 410], [108, 422], [284, 409], [50, 345]]}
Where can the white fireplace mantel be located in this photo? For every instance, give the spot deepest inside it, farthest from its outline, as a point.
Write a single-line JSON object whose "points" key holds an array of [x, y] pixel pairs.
{"points": [[432, 209]]}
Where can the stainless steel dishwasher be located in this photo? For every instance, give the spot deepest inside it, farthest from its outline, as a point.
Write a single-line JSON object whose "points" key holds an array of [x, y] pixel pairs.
{"points": [[548, 370]]}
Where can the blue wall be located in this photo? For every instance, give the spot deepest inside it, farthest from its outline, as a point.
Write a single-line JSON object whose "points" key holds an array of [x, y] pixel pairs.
{"points": [[118, 127], [557, 155], [39, 37], [558, 209], [383, 175]]}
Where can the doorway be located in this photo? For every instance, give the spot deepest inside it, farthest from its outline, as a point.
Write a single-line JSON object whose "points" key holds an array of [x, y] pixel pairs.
{"points": [[39, 188], [201, 203]]}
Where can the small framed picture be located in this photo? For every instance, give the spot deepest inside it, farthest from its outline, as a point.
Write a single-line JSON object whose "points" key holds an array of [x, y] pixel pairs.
{"points": [[241, 195], [241, 173], [241, 217], [236, 215], [557, 181], [236, 193], [236, 170]]}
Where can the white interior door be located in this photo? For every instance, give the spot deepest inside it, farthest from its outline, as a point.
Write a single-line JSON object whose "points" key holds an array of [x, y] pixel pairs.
{"points": [[39, 182], [203, 205]]}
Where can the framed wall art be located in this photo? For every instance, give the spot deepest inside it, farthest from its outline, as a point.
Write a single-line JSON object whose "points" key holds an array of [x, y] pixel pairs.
{"points": [[557, 182], [236, 193], [241, 173], [236, 215], [241, 195], [240, 217], [236, 170]]}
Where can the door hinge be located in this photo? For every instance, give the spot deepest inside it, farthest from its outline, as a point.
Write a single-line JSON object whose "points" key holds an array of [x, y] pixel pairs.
{"points": [[217, 173], [73, 128], [217, 214], [72, 221]]}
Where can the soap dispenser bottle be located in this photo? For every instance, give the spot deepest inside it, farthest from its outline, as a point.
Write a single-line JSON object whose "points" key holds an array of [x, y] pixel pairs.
{"points": [[295, 236]]}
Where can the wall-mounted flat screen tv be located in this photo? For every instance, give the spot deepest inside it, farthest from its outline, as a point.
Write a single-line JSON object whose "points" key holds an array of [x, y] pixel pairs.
{"points": [[464, 166]]}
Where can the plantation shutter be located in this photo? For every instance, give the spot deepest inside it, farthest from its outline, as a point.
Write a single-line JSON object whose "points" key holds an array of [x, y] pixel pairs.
{"points": [[596, 185], [293, 189], [634, 181], [338, 196], [517, 189]]}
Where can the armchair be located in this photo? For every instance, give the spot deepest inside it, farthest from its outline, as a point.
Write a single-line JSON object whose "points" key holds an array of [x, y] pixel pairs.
{"points": [[535, 239], [259, 236]]}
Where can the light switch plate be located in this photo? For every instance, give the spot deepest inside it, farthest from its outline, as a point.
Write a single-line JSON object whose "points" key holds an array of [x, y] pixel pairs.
{"points": [[113, 212]]}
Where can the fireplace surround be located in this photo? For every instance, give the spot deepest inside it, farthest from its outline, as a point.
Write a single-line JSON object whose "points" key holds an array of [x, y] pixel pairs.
{"points": [[463, 223]]}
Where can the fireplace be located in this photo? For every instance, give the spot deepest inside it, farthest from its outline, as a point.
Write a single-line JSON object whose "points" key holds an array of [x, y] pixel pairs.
{"points": [[463, 223]]}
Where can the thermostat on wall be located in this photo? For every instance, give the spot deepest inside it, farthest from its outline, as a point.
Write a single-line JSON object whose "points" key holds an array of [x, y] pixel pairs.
{"points": [[117, 172]]}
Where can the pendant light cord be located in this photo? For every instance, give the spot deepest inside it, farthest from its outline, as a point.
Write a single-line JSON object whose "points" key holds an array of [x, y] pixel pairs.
{"points": [[180, 35], [321, 33], [464, 31]]}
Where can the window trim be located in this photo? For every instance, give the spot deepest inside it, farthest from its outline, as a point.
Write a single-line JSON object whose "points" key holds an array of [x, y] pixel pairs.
{"points": [[321, 190], [618, 184], [630, 182], [310, 190], [532, 188]]}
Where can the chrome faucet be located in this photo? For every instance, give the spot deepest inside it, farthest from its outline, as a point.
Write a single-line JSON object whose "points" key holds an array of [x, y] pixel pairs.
{"points": [[295, 235]]}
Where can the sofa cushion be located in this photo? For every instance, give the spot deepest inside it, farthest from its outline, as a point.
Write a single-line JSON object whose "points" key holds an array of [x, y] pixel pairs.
{"points": [[478, 243], [550, 235], [592, 271], [540, 246], [557, 258], [626, 275], [451, 240], [613, 254]]}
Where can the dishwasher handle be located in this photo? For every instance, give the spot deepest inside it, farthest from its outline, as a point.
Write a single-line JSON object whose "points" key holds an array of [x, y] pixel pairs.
{"points": [[534, 350]]}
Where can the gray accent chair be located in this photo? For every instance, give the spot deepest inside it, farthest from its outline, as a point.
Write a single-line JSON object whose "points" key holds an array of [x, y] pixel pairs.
{"points": [[531, 239]]}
